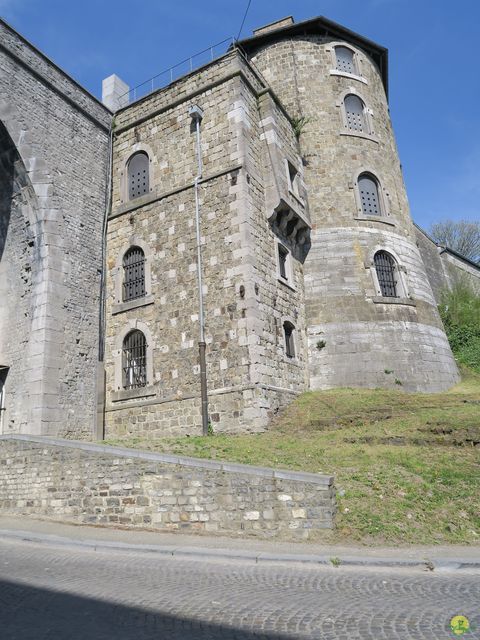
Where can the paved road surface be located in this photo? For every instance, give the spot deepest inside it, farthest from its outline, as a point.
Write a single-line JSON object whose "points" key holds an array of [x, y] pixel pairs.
{"points": [[61, 593]]}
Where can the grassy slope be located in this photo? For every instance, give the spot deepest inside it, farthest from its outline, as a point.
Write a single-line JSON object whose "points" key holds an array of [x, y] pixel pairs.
{"points": [[405, 464]]}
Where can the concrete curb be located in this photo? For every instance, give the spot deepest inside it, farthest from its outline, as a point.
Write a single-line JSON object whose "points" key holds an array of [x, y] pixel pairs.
{"points": [[204, 553]]}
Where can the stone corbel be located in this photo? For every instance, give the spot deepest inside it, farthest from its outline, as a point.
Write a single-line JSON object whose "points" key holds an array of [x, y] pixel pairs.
{"points": [[292, 229]]}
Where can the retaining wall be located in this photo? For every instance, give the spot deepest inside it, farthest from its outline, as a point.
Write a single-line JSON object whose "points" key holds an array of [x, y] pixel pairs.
{"points": [[94, 484]]}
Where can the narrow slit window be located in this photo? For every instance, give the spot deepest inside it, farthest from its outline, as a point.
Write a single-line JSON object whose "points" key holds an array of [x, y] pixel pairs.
{"points": [[288, 330], [3, 379], [134, 364], [292, 178], [355, 114], [138, 172], [282, 262], [369, 196], [345, 60], [386, 269], [133, 274]]}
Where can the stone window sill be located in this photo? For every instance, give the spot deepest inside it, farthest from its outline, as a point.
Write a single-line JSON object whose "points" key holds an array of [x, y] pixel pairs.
{"points": [[381, 219], [291, 360], [130, 394], [136, 203], [287, 283], [351, 76], [359, 134], [296, 197], [402, 301], [132, 304]]}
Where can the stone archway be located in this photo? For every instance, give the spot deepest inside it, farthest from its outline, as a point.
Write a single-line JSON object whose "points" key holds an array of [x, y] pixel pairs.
{"points": [[17, 275]]}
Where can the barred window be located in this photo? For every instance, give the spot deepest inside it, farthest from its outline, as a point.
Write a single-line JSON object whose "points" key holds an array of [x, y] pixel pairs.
{"points": [[386, 269], [288, 330], [138, 182], [133, 274], [355, 114], [134, 360], [345, 60], [368, 189]]}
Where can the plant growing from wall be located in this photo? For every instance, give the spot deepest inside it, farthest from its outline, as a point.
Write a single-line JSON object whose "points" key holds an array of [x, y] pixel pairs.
{"points": [[299, 125]]}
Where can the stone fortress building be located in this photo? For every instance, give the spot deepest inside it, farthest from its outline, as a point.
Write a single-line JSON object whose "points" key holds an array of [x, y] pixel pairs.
{"points": [[311, 272]]}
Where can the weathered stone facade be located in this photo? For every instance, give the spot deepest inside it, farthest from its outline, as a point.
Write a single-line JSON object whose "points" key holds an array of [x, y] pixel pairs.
{"points": [[291, 291], [53, 158], [246, 303], [109, 486], [365, 333], [445, 267]]}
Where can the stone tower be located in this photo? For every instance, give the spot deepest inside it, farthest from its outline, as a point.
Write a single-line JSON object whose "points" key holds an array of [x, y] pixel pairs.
{"points": [[371, 315]]}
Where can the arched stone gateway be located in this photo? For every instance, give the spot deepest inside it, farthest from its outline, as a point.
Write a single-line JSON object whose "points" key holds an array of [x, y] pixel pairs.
{"points": [[19, 271], [53, 181]]}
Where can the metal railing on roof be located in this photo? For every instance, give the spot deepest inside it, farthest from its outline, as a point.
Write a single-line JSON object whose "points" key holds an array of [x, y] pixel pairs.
{"points": [[166, 77]]}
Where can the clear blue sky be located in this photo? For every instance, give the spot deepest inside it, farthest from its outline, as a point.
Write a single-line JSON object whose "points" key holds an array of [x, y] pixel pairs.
{"points": [[434, 67]]}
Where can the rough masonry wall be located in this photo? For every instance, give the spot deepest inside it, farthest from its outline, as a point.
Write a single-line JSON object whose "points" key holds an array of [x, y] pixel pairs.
{"points": [[91, 484], [17, 202], [445, 269], [356, 334], [51, 268], [248, 375]]}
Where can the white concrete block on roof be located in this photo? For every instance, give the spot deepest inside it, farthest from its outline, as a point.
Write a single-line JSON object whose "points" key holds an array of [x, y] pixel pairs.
{"points": [[115, 92]]}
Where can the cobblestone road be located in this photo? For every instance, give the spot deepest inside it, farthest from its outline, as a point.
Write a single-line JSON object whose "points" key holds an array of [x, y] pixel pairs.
{"points": [[50, 593]]}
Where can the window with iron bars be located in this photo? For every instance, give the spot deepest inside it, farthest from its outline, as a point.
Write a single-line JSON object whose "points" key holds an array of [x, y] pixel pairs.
{"points": [[386, 269], [134, 364], [138, 175], [355, 114], [133, 274], [368, 188], [345, 60]]}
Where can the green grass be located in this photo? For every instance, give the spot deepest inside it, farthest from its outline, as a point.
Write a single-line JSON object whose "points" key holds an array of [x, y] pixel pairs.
{"points": [[406, 466]]}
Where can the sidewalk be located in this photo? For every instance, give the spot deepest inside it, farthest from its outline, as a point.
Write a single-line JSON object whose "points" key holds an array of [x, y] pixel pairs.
{"points": [[215, 547]]}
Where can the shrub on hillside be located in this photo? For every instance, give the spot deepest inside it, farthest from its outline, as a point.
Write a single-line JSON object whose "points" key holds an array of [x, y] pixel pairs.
{"points": [[460, 311]]}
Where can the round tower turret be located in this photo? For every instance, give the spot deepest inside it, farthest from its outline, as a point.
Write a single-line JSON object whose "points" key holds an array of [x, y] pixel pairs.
{"points": [[371, 315]]}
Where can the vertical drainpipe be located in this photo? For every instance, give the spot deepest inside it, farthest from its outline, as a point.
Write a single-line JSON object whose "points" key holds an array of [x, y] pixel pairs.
{"points": [[197, 114], [100, 412]]}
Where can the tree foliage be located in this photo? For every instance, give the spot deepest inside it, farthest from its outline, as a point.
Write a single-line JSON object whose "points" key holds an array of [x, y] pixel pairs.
{"points": [[460, 235], [460, 311]]}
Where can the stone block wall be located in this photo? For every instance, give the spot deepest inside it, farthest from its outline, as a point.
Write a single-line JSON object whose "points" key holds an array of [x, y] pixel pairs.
{"points": [[54, 147], [246, 303], [444, 267], [355, 333], [92, 484]]}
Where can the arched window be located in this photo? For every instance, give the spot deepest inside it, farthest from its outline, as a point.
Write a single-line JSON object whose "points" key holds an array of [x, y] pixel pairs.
{"points": [[369, 196], [138, 170], [133, 274], [345, 60], [355, 114], [134, 360], [288, 330], [386, 269]]}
